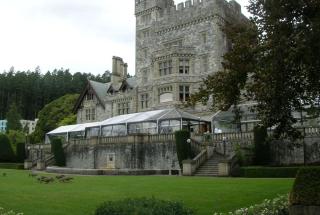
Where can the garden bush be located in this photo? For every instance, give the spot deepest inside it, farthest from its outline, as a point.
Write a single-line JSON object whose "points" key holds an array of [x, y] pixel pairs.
{"points": [[184, 151], [143, 206], [277, 206], [6, 151], [268, 172], [261, 146], [20, 152], [306, 188], [58, 152]]}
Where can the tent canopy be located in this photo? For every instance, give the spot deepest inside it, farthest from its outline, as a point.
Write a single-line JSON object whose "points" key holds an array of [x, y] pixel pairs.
{"points": [[149, 116]]}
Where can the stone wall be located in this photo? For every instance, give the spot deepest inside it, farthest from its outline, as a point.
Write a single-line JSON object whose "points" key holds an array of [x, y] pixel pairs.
{"points": [[300, 152], [283, 152], [146, 156]]}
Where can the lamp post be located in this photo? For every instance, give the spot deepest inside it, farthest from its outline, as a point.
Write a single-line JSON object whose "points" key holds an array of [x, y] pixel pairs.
{"points": [[224, 145], [41, 153], [29, 153]]}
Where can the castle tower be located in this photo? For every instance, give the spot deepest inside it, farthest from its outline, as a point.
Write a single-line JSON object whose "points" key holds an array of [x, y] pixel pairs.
{"points": [[178, 46]]}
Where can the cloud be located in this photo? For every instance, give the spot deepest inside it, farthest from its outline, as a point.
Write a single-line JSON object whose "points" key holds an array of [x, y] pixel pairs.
{"points": [[78, 34]]}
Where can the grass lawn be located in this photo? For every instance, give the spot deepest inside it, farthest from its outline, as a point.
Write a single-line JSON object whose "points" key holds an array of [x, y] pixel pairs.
{"points": [[22, 193]]}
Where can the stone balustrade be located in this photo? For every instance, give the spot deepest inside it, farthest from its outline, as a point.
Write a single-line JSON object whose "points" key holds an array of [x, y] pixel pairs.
{"points": [[125, 139]]}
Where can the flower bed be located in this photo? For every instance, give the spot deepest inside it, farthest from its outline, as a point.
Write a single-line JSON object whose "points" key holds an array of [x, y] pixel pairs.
{"points": [[277, 206]]}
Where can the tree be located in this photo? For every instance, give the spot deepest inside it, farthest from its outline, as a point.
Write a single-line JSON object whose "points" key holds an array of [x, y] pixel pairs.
{"points": [[13, 117], [53, 113], [274, 61]]}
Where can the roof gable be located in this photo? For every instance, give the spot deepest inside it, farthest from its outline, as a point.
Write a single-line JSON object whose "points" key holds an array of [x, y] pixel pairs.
{"points": [[97, 88]]}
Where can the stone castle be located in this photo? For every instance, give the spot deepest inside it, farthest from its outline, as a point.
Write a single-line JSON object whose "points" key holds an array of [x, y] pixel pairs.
{"points": [[176, 47]]}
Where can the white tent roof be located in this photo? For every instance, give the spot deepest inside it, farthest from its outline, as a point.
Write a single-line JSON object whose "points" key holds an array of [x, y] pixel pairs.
{"points": [[63, 129], [129, 118]]}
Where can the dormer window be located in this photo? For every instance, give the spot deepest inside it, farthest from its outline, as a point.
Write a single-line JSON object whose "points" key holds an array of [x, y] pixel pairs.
{"points": [[89, 96]]}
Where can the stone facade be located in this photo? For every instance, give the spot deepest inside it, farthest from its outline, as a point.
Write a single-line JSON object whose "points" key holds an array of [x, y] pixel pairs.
{"points": [[112, 156], [176, 47]]}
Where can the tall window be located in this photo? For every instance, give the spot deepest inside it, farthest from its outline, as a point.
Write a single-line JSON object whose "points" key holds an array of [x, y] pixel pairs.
{"points": [[145, 33], [204, 64], [184, 93], [204, 37], [144, 101], [90, 114], [145, 75], [89, 96], [123, 108], [165, 68], [146, 18], [184, 66]]}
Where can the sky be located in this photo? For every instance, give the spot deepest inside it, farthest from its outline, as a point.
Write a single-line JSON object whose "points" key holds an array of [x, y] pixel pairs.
{"points": [[79, 35]]}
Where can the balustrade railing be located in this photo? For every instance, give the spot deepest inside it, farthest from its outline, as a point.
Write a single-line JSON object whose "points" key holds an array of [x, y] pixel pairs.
{"points": [[200, 159], [125, 139]]}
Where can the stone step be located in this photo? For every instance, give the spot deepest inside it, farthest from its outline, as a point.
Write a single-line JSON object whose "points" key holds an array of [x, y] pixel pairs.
{"points": [[210, 167], [204, 170], [208, 170], [206, 175]]}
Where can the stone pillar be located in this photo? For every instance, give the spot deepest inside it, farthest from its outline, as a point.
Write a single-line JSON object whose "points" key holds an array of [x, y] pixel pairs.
{"points": [[188, 167], [41, 165], [224, 168], [27, 164]]}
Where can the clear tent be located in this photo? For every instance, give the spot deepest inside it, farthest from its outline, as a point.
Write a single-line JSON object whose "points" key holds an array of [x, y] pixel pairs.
{"points": [[150, 122]]}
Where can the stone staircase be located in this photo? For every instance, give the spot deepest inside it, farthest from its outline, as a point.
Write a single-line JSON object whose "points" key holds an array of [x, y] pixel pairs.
{"points": [[210, 167]]}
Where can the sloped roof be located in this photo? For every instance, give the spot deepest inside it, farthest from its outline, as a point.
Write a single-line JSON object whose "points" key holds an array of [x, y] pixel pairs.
{"points": [[132, 82], [99, 90]]}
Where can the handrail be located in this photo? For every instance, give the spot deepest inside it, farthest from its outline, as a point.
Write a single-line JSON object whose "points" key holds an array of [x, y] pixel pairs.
{"points": [[200, 159]]}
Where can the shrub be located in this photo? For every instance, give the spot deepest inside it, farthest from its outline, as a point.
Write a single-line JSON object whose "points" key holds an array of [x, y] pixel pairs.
{"points": [[20, 152], [306, 188], [6, 152], [261, 146], [6, 212], [183, 147], [277, 206], [142, 206], [11, 166], [268, 172], [57, 150]]}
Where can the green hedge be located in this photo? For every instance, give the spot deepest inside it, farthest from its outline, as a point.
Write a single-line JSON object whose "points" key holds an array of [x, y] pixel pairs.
{"points": [[184, 151], [306, 188], [268, 172], [20, 152], [58, 152], [261, 146], [6, 151], [143, 206], [11, 166]]}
